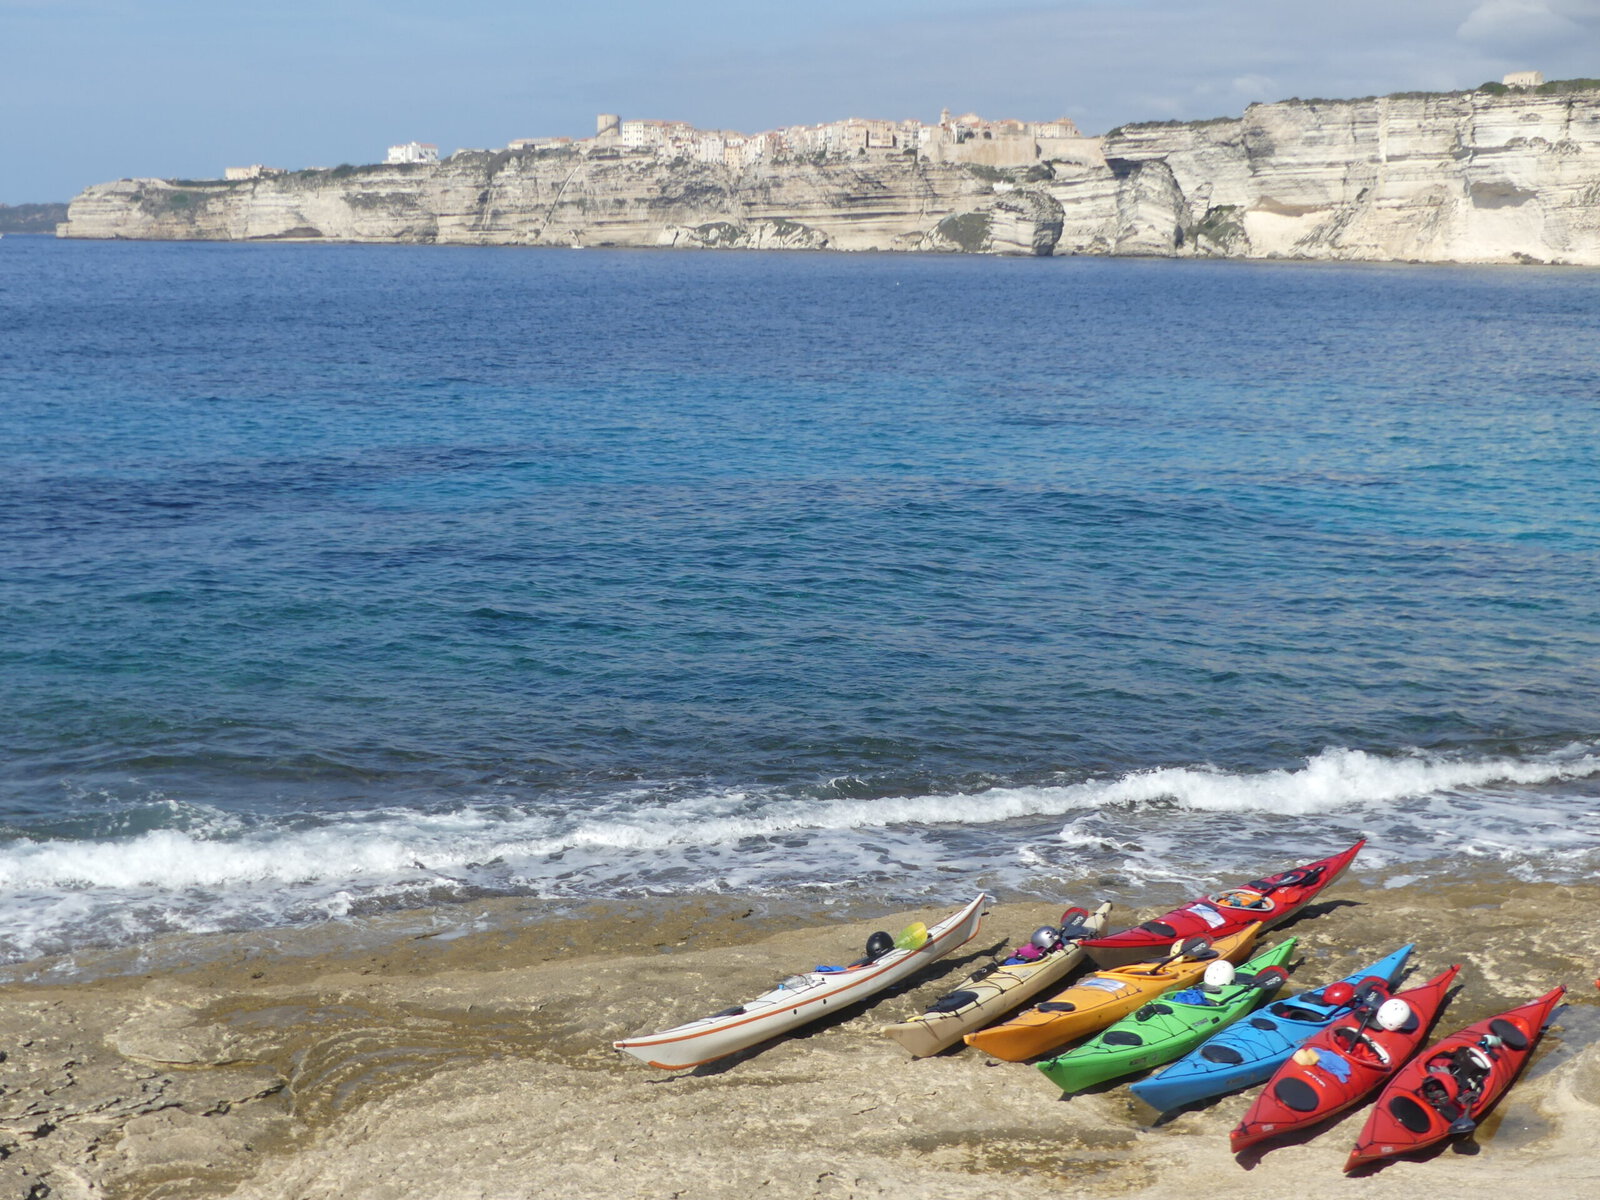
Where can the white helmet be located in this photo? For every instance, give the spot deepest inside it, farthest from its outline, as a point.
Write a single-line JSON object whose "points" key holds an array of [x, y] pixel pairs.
{"points": [[1393, 1014], [1219, 974], [1046, 938]]}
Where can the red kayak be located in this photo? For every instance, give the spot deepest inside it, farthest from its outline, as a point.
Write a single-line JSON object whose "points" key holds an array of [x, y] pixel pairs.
{"points": [[1343, 1064], [1271, 901], [1448, 1090]]}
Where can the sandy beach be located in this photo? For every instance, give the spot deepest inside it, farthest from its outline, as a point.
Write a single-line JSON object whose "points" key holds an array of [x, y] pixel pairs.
{"points": [[373, 1062]]}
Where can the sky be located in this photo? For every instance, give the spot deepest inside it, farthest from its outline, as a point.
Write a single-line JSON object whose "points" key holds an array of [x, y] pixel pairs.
{"points": [[93, 90]]}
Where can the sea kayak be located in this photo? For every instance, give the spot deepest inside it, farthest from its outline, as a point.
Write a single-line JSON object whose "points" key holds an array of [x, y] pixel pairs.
{"points": [[1248, 1052], [1106, 996], [996, 990], [1269, 901], [1447, 1090], [1343, 1064], [1171, 1024], [805, 997]]}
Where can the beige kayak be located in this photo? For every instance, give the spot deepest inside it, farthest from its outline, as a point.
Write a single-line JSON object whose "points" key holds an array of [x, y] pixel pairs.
{"points": [[992, 993], [805, 997]]}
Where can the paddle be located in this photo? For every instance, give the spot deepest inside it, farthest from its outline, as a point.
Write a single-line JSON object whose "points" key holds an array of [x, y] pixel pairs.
{"points": [[1269, 979], [1196, 947], [1072, 925]]}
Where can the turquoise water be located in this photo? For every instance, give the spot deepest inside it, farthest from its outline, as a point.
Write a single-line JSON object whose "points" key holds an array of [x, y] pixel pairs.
{"points": [[334, 578]]}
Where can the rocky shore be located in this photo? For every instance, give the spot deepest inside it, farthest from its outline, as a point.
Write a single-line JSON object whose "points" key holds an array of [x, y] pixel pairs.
{"points": [[375, 1061], [1457, 177]]}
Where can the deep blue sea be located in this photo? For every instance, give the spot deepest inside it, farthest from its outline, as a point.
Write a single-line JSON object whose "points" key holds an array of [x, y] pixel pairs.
{"points": [[342, 578]]}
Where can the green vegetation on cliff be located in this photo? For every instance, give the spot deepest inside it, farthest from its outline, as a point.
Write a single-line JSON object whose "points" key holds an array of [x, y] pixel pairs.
{"points": [[1552, 87], [31, 218], [969, 230]]}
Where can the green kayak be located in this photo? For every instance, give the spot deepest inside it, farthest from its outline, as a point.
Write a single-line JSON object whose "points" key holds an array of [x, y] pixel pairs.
{"points": [[1172, 1024]]}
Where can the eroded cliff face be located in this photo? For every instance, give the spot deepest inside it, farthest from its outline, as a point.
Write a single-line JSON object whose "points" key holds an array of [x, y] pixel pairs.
{"points": [[1464, 178], [576, 200]]}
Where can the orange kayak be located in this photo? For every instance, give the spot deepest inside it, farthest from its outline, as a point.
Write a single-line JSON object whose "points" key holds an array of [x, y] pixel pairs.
{"points": [[1105, 997]]}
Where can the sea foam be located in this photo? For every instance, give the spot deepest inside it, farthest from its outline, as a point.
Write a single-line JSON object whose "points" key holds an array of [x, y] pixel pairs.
{"points": [[219, 874]]}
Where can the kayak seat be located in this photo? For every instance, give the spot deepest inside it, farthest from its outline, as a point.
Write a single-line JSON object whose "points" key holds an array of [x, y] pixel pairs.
{"points": [[1221, 1054], [1058, 1006], [1410, 1114], [1159, 928], [1121, 1037], [1265, 1024], [1297, 1094], [1437, 1093], [878, 944], [1297, 877], [1293, 1012], [1359, 1046], [954, 1001], [1508, 1033]]}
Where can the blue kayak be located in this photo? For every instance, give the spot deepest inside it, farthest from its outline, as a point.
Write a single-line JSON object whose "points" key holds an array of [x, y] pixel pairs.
{"points": [[1249, 1052]]}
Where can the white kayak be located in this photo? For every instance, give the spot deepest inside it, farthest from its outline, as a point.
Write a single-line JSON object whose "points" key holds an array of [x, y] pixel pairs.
{"points": [[995, 991], [803, 998]]}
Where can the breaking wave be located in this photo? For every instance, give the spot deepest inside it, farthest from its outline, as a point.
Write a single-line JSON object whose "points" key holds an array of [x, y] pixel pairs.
{"points": [[221, 874]]}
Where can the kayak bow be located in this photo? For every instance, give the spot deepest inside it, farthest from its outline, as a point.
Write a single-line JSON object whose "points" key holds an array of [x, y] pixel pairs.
{"points": [[1270, 901]]}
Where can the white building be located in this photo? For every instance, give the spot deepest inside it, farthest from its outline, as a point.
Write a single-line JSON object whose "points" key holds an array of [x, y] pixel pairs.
{"points": [[254, 171], [1524, 79], [643, 135], [710, 147], [413, 152]]}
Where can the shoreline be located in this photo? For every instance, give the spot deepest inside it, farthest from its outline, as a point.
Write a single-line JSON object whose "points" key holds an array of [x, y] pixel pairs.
{"points": [[373, 1060], [1513, 264]]}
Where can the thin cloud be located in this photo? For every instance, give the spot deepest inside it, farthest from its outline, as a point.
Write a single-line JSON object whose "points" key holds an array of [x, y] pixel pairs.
{"points": [[1506, 24]]}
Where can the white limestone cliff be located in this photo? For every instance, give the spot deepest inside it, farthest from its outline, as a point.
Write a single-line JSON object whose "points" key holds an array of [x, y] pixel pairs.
{"points": [[1465, 177], [1471, 177]]}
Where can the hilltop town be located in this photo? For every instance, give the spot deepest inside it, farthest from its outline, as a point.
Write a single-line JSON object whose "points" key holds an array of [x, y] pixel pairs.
{"points": [[964, 139], [968, 138]]}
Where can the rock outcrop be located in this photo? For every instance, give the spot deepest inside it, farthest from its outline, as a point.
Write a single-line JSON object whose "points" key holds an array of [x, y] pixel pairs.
{"points": [[573, 199], [1470, 177], [1463, 177]]}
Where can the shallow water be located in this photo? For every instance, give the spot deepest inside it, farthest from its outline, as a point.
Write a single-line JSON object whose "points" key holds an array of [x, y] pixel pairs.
{"points": [[337, 578]]}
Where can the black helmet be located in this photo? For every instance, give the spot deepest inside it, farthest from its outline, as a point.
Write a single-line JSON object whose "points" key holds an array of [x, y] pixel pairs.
{"points": [[879, 944]]}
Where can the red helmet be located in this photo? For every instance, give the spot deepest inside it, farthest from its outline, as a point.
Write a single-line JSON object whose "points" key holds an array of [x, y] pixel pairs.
{"points": [[1338, 994]]}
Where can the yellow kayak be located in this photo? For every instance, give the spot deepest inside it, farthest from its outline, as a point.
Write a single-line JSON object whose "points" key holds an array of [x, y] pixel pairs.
{"points": [[1098, 1000]]}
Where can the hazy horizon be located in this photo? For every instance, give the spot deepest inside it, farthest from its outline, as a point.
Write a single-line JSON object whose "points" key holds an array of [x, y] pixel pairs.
{"points": [[104, 89]]}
